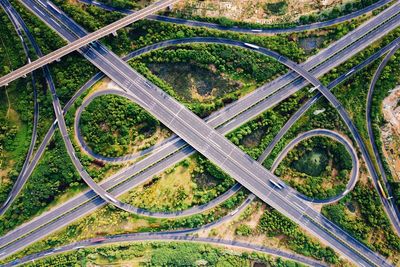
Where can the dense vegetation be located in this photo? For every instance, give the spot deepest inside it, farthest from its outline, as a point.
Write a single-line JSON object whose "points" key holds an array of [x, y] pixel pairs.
{"points": [[143, 33], [11, 52], [194, 82], [194, 181], [51, 177], [146, 32], [277, 8], [317, 167], [254, 136], [16, 108], [238, 62], [353, 95], [114, 126], [388, 80], [361, 214], [10, 132], [102, 124], [105, 114], [83, 14], [73, 71], [280, 8], [239, 65], [47, 39], [55, 173], [112, 221], [163, 254], [335, 12], [273, 223], [127, 4], [47, 183]]}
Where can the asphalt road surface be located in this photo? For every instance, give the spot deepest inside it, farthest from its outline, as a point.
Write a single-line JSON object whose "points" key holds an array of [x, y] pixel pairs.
{"points": [[166, 236], [300, 28], [356, 135], [173, 214], [336, 136], [300, 112], [86, 40], [216, 148], [19, 183], [377, 156]]}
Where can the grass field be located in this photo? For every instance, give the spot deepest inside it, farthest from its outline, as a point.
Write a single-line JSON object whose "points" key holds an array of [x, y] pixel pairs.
{"points": [[171, 190], [312, 162], [182, 186], [114, 126], [194, 82], [318, 167]]}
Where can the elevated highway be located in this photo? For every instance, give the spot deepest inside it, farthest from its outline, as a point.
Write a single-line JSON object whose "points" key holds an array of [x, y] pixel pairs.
{"points": [[87, 39], [335, 136], [272, 30], [216, 148], [20, 28]]}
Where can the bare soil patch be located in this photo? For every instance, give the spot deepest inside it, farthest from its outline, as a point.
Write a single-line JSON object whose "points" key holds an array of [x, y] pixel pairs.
{"points": [[255, 11], [391, 132]]}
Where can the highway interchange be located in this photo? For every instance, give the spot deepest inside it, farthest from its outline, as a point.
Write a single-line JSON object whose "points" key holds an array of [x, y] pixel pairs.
{"points": [[372, 141], [177, 124], [20, 181], [339, 138]]}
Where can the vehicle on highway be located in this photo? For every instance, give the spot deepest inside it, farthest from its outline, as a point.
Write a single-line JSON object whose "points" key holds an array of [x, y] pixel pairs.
{"points": [[110, 198], [166, 110], [382, 190], [313, 89], [350, 72], [252, 46], [234, 212], [98, 239], [275, 184], [53, 6]]}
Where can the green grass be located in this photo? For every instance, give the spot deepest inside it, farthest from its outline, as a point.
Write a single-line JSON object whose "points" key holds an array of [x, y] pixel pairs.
{"points": [[318, 167], [112, 221], [15, 133], [11, 52], [114, 126], [254, 139], [193, 181], [162, 254], [194, 82], [272, 224], [361, 214], [21, 139], [278, 8], [312, 162]]}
